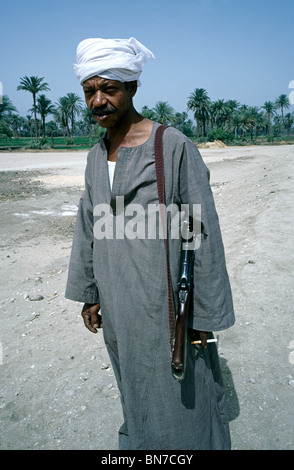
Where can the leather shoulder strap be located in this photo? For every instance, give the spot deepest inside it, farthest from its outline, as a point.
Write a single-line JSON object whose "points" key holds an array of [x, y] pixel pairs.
{"points": [[159, 166]]}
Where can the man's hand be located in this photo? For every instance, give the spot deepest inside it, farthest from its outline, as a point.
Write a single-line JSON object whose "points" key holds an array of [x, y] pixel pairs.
{"points": [[92, 319], [198, 335]]}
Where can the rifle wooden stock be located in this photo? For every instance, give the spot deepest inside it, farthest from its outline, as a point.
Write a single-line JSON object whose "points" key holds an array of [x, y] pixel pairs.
{"points": [[180, 347]]}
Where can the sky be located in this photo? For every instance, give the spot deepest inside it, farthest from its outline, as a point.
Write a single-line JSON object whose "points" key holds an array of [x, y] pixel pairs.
{"points": [[234, 49]]}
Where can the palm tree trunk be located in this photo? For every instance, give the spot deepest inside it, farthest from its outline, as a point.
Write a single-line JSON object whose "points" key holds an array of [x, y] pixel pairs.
{"points": [[282, 111], [229, 123], [197, 126], [35, 113], [72, 126], [269, 130]]}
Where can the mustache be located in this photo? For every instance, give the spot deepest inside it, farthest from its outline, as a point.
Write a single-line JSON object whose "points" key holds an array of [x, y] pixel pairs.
{"points": [[103, 110]]}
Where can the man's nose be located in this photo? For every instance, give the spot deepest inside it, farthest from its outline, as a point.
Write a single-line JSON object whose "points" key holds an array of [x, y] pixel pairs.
{"points": [[99, 99]]}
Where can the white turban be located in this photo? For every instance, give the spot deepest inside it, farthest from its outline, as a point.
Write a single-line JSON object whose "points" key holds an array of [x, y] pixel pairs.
{"points": [[114, 59]]}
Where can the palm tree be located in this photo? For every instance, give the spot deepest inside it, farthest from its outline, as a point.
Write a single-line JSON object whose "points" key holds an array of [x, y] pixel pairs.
{"points": [[164, 113], [52, 129], [199, 102], [183, 124], [232, 106], [278, 124], [74, 106], [282, 102], [245, 122], [61, 115], [270, 110], [260, 122], [5, 130], [87, 116], [204, 117], [212, 113], [236, 123], [15, 121], [252, 118], [6, 106], [148, 113], [44, 107], [243, 107], [289, 121], [34, 85], [221, 112]]}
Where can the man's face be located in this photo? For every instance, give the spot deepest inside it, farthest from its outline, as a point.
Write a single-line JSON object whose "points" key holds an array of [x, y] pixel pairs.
{"points": [[108, 100]]}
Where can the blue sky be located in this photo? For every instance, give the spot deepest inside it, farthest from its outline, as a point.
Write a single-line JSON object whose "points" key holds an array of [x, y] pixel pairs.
{"points": [[234, 49]]}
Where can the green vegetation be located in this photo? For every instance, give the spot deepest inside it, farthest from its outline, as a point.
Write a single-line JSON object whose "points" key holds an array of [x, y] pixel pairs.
{"points": [[34, 85], [72, 126]]}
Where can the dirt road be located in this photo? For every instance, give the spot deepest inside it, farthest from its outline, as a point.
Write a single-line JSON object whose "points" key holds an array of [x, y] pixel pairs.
{"points": [[58, 389]]}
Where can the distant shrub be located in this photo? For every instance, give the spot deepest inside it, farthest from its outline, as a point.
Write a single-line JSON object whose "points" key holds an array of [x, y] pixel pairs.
{"points": [[41, 144], [5, 130], [220, 134], [34, 144], [237, 142], [4, 136]]}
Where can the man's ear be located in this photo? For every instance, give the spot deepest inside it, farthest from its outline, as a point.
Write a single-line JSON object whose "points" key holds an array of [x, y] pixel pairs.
{"points": [[133, 86]]}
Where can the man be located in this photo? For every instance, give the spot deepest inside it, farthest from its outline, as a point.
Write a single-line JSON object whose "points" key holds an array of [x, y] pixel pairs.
{"points": [[115, 268]]}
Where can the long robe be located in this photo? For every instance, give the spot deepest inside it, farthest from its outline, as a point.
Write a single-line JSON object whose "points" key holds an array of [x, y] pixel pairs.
{"points": [[126, 274]]}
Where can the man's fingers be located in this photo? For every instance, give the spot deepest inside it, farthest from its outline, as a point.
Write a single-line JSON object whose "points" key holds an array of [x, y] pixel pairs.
{"points": [[96, 320], [88, 322], [99, 321], [92, 319], [203, 337], [197, 335]]}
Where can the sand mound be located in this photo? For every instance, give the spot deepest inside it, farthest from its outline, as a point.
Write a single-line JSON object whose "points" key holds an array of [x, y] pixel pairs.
{"points": [[212, 145]]}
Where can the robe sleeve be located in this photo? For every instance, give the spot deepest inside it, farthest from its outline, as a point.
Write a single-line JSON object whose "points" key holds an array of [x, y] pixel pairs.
{"points": [[81, 285], [212, 297]]}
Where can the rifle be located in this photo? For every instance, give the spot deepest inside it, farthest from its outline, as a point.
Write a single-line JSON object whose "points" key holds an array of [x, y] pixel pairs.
{"points": [[185, 284]]}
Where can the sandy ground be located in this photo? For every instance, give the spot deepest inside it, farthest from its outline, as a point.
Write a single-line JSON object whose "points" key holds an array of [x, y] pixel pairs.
{"points": [[58, 389]]}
